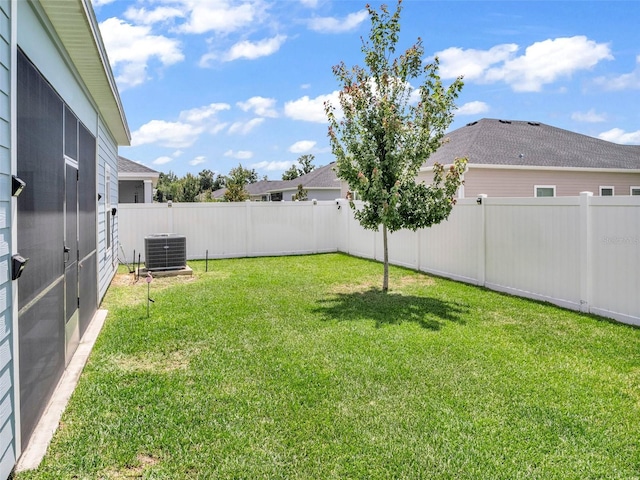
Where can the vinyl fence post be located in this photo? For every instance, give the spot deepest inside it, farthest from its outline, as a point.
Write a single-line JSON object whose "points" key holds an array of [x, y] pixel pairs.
{"points": [[585, 251], [482, 240], [249, 222]]}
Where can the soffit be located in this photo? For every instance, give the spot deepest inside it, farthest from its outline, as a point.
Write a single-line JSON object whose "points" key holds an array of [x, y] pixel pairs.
{"points": [[76, 26]]}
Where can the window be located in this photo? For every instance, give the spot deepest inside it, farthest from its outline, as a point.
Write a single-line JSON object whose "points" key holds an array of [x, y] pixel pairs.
{"points": [[606, 191], [545, 190], [634, 191]]}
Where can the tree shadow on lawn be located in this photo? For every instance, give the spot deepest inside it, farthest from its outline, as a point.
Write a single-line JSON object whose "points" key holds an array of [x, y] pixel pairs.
{"points": [[391, 309]]}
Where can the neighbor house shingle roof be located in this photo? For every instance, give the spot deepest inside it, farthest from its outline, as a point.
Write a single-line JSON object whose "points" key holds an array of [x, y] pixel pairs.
{"points": [[502, 142], [129, 166], [319, 178]]}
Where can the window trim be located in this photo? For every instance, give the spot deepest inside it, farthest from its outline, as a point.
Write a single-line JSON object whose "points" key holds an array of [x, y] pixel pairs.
{"points": [[606, 187], [632, 188], [536, 187]]}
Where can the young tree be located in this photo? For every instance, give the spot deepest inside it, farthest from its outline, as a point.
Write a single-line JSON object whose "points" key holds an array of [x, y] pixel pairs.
{"points": [[301, 194], [384, 135], [236, 181]]}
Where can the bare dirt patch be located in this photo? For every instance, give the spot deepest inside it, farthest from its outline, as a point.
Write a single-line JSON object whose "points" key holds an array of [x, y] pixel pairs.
{"points": [[137, 471], [396, 284], [154, 362]]}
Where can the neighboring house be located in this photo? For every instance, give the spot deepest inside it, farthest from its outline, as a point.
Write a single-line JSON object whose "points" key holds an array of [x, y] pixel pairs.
{"points": [[62, 122], [135, 182], [527, 159], [320, 184]]}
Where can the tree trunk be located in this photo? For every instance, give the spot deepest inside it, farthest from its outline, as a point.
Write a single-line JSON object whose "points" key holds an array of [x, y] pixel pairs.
{"points": [[385, 278]]}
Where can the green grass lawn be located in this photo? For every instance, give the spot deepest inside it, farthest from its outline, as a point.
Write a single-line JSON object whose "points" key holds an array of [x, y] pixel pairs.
{"points": [[299, 368]]}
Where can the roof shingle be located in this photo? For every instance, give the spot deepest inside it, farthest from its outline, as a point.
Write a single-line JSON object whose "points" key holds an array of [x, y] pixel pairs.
{"points": [[505, 142]]}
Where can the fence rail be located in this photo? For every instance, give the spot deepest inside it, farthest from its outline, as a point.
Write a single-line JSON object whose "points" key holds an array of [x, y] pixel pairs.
{"points": [[581, 252]]}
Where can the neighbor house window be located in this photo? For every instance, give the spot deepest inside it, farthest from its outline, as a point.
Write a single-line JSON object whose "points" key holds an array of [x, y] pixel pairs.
{"points": [[635, 191], [606, 191], [545, 190]]}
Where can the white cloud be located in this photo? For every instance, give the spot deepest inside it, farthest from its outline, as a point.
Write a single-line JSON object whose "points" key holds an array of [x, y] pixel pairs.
{"points": [[261, 106], [272, 166], [220, 16], [243, 128], [197, 161], [309, 3], [472, 108], [542, 62], [472, 63], [302, 146], [311, 109], [131, 49], [183, 133], [162, 160], [166, 134], [240, 154], [617, 135], [142, 16], [626, 81], [589, 117], [198, 115], [253, 50], [336, 25]]}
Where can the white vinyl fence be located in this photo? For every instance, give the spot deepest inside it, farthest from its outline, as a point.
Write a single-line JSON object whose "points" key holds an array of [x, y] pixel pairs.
{"points": [[581, 252]]}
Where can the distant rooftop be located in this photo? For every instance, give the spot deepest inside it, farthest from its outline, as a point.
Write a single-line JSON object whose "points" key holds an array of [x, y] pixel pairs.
{"points": [[509, 142], [129, 166]]}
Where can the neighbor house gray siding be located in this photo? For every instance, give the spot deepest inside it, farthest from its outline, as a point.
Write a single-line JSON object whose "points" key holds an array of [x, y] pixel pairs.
{"points": [[7, 383]]}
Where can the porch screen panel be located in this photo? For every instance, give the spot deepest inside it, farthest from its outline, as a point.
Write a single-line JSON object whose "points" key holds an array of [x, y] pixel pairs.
{"points": [[40, 165], [40, 231], [87, 197]]}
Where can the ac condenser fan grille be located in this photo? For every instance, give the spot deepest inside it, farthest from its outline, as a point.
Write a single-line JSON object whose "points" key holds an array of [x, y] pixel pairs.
{"points": [[165, 251]]}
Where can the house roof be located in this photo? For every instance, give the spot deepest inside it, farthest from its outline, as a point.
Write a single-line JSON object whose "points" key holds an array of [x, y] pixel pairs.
{"points": [[319, 178], [519, 143], [76, 25], [129, 166]]}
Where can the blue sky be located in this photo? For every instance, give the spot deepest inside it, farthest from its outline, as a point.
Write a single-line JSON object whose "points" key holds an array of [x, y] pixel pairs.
{"points": [[208, 84]]}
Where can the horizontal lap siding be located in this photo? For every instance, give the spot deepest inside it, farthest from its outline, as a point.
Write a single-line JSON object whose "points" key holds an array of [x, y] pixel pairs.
{"points": [[7, 413], [520, 183], [107, 155]]}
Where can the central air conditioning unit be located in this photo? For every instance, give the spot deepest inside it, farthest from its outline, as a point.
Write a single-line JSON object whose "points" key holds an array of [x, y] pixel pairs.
{"points": [[165, 251]]}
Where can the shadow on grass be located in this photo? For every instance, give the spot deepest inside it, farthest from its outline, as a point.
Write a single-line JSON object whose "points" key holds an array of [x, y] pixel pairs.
{"points": [[391, 309]]}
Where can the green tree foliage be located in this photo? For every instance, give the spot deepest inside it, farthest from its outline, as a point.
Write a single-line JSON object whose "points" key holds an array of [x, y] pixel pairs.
{"points": [[385, 136], [205, 180], [235, 193], [301, 194], [291, 173], [236, 181], [306, 166], [242, 175], [190, 188]]}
